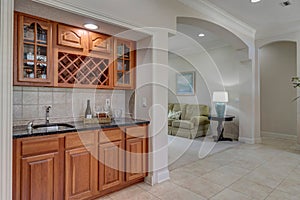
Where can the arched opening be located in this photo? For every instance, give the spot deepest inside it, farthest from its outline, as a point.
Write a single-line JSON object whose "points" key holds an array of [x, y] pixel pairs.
{"points": [[278, 64], [220, 62]]}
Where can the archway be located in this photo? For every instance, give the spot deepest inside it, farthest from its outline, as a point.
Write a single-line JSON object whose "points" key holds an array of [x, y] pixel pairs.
{"points": [[221, 62], [278, 64]]}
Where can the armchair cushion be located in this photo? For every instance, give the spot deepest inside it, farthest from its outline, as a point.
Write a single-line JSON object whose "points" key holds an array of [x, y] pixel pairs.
{"points": [[200, 120], [183, 124]]}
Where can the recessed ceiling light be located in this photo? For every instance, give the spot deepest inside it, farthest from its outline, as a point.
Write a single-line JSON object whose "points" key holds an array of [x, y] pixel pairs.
{"points": [[201, 35], [255, 1], [91, 26]]}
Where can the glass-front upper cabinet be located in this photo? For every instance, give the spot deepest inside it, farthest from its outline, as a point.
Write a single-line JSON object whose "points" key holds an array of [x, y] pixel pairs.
{"points": [[34, 44], [124, 64]]}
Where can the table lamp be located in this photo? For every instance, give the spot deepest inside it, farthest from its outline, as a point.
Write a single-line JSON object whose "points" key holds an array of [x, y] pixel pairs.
{"points": [[220, 98]]}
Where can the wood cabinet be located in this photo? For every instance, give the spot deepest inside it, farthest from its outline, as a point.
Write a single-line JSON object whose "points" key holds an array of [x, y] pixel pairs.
{"points": [[83, 59], [71, 37], [33, 49], [136, 153], [124, 64], [38, 168], [83, 165], [100, 42], [39, 178], [80, 177], [111, 162], [111, 159], [52, 54], [80, 165]]}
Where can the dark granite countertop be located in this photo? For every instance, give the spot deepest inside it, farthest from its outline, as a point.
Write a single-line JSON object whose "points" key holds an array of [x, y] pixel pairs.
{"points": [[21, 131]]}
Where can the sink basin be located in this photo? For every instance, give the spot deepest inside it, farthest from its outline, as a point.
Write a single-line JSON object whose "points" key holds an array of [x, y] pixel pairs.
{"points": [[53, 127]]}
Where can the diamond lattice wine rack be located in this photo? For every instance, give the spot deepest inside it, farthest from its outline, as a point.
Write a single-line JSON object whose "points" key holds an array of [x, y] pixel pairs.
{"points": [[82, 71]]}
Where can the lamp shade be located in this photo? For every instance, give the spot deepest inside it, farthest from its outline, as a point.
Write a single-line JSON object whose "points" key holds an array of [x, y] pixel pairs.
{"points": [[220, 96]]}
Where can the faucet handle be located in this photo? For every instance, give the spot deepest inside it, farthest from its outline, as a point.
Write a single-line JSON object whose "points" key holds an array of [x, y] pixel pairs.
{"points": [[30, 125], [48, 108]]}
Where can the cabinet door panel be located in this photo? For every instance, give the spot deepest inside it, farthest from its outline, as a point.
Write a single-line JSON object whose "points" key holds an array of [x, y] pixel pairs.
{"points": [[99, 42], [40, 177], [71, 37], [111, 164], [124, 64], [33, 44], [135, 158], [80, 178]]}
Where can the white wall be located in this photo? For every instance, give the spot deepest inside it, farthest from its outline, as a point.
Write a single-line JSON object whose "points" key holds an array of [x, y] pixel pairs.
{"points": [[177, 65], [222, 60], [277, 66]]}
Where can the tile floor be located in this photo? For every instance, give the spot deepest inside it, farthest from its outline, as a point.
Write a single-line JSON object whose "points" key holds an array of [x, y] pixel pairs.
{"points": [[268, 171]]}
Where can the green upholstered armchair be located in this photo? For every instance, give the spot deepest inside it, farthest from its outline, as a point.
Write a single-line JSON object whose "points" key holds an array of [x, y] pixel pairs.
{"points": [[192, 123]]}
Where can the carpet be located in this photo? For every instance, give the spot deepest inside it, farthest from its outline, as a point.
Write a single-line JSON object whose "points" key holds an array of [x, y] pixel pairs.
{"points": [[183, 151]]}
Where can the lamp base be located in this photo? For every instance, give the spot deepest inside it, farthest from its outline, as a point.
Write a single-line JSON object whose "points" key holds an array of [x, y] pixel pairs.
{"points": [[220, 109]]}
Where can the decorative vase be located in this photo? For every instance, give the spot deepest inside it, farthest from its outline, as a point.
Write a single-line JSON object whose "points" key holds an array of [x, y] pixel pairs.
{"points": [[220, 109]]}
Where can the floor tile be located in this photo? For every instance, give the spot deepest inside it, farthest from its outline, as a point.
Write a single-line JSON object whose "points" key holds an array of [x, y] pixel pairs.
{"points": [[202, 187], [159, 189], [291, 184], [201, 167], [180, 194], [279, 195], [225, 176], [133, 192], [228, 194], [251, 189]]}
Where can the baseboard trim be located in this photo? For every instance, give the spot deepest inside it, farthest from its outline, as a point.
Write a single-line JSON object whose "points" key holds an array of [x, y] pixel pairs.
{"points": [[278, 135], [256, 140], [158, 176]]}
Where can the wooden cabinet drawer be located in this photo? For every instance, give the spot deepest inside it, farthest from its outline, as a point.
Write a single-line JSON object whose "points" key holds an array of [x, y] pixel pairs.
{"points": [[136, 132], [80, 139], [110, 135], [39, 146]]}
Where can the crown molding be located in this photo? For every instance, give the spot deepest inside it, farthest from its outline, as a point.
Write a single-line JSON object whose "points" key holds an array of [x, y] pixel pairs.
{"points": [[220, 16]]}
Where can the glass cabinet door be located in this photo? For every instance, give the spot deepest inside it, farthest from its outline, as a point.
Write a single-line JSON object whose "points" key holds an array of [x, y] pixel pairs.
{"points": [[123, 63], [34, 50]]}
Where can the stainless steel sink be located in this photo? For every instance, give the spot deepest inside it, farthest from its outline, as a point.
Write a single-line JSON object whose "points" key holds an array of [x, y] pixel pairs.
{"points": [[53, 126]]}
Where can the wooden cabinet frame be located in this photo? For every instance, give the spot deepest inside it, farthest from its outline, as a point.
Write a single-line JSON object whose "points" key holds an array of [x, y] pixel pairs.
{"points": [[132, 64], [19, 43], [76, 42], [69, 161]]}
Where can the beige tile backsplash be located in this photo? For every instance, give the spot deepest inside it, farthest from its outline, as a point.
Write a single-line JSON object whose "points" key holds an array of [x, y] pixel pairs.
{"points": [[68, 104]]}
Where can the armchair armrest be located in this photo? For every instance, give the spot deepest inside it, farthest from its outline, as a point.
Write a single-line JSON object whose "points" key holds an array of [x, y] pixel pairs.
{"points": [[200, 120]]}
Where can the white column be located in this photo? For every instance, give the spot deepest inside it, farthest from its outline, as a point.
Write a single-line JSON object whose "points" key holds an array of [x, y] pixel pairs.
{"points": [[159, 127], [256, 97], [6, 66]]}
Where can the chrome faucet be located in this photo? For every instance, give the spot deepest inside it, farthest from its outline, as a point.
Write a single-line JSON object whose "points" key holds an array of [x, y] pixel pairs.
{"points": [[29, 126], [47, 114]]}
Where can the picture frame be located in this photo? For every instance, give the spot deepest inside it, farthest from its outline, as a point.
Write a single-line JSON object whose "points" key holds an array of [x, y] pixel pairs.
{"points": [[185, 83]]}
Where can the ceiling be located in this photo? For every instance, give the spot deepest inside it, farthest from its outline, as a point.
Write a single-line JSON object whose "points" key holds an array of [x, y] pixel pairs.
{"points": [[268, 17], [187, 40]]}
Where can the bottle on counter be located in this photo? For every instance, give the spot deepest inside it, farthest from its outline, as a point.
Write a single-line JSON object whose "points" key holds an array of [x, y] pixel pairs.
{"points": [[88, 111]]}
